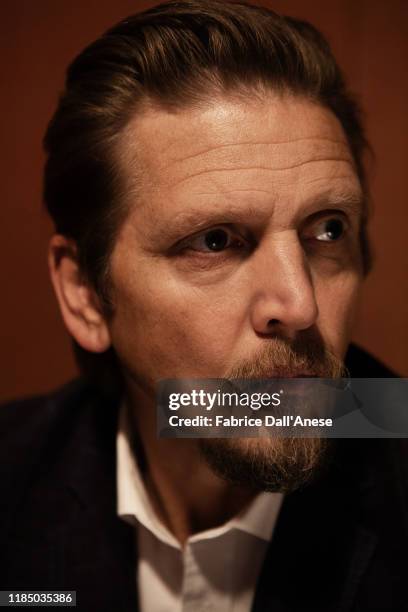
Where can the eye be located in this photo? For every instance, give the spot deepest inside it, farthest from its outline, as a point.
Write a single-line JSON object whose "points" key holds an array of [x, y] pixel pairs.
{"points": [[215, 240], [328, 230]]}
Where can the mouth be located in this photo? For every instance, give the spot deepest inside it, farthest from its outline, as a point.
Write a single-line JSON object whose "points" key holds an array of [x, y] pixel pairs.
{"points": [[272, 380], [282, 374]]}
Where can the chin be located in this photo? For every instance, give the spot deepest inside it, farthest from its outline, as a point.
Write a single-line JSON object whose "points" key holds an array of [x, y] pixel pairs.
{"points": [[267, 464]]}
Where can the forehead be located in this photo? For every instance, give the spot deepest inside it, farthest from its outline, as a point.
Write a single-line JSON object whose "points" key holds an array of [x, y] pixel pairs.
{"points": [[279, 145]]}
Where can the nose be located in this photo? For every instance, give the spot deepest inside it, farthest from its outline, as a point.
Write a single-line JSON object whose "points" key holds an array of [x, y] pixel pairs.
{"points": [[283, 295]]}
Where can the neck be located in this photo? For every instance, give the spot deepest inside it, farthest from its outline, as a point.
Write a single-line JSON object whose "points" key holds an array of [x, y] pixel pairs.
{"points": [[186, 494]]}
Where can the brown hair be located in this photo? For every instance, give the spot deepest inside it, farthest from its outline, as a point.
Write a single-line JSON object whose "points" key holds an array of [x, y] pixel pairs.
{"points": [[174, 54]]}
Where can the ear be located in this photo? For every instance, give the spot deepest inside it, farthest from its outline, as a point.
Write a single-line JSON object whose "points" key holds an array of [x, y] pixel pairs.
{"points": [[78, 302]]}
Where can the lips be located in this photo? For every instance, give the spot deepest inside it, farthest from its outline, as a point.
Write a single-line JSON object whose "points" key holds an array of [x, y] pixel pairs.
{"points": [[285, 374]]}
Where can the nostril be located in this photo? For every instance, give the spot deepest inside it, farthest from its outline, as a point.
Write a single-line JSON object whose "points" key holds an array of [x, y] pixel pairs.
{"points": [[273, 322]]}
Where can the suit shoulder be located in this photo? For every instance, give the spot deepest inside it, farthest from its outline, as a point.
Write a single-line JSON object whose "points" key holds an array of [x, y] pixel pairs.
{"points": [[26, 416], [28, 425], [42, 436]]}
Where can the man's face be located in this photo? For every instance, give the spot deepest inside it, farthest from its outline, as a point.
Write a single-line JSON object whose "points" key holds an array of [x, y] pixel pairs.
{"points": [[244, 228]]}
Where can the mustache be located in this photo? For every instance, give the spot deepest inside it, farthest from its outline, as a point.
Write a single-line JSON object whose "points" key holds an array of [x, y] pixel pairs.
{"points": [[305, 356]]}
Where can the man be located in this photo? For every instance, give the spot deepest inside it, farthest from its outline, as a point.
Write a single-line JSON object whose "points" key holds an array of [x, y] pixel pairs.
{"points": [[206, 181]]}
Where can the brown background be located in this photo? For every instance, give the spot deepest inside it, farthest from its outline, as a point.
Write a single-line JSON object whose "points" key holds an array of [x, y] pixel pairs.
{"points": [[37, 41]]}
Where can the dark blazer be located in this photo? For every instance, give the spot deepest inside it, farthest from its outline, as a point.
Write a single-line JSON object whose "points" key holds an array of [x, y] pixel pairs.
{"points": [[340, 544]]}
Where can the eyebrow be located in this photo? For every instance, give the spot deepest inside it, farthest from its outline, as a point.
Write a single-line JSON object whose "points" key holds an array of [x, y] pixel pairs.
{"points": [[352, 202], [195, 219]]}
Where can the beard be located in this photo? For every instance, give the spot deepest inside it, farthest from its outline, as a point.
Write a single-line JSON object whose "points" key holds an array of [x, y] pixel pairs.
{"points": [[276, 464]]}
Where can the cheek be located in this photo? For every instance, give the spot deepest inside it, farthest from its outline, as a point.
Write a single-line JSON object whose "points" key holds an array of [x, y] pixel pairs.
{"points": [[164, 329], [337, 308]]}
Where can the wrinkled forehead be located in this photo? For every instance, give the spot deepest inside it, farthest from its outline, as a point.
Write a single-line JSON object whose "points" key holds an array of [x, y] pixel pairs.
{"points": [[249, 144]]}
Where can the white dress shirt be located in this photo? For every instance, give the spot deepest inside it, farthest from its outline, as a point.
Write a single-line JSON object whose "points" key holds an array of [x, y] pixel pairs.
{"points": [[216, 570]]}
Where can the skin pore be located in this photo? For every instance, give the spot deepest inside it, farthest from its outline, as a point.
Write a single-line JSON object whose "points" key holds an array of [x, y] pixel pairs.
{"points": [[242, 235]]}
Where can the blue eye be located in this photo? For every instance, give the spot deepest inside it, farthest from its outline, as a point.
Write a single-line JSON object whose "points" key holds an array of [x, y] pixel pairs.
{"points": [[329, 230]]}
